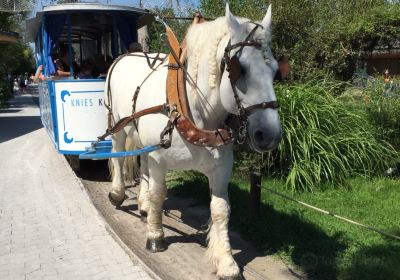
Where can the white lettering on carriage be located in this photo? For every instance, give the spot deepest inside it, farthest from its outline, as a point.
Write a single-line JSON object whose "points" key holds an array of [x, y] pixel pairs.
{"points": [[82, 102]]}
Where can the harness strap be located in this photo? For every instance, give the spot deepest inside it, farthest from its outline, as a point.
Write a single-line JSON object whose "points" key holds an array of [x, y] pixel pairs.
{"points": [[265, 105], [151, 64], [109, 95], [126, 120]]}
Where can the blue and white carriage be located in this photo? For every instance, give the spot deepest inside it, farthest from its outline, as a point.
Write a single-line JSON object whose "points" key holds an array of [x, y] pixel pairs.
{"points": [[72, 108]]}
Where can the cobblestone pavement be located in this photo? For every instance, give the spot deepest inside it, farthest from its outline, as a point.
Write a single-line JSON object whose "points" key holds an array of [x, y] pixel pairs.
{"points": [[49, 228]]}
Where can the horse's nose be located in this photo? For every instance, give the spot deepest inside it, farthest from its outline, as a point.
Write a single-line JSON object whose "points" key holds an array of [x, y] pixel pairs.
{"points": [[267, 139]]}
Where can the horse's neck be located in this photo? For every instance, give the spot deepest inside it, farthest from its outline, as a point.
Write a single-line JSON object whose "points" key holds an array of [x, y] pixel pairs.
{"points": [[205, 103]]}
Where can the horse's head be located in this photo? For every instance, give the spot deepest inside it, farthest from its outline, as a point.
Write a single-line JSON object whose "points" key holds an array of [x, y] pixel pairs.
{"points": [[247, 81]]}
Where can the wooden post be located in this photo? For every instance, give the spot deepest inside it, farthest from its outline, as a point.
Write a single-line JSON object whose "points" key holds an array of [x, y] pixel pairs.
{"points": [[255, 193]]}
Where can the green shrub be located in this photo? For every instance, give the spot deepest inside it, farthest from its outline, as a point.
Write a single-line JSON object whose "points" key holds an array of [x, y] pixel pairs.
{"points": [[383, 108], [325, 139], [5, 93]]}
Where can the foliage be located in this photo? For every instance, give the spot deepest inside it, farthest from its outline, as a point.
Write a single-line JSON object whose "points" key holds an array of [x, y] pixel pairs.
{"points": [[15, 58], [5, 93], [383, 108], [325, 140], [319, 245], [326, 36], [157, 40]]}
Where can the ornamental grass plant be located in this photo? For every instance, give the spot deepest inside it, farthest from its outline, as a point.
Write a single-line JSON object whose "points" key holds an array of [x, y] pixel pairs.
{"points": [[383, 109], [325, 140]]}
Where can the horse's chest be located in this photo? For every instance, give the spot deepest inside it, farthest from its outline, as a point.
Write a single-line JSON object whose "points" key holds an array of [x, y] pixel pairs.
{"points": [[189, 157]]}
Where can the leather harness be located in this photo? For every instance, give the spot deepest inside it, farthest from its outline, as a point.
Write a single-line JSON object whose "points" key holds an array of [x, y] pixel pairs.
{"points": [[177, 107]]}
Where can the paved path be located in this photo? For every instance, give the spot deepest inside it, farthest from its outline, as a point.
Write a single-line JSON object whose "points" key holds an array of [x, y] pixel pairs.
{"points": [[49, 228]]}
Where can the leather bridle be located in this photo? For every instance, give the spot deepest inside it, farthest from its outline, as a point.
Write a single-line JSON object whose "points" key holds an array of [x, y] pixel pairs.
{"points": [[235, 70]]}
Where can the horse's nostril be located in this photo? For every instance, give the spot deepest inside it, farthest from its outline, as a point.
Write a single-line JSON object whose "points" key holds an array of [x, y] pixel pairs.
{"points": [[263, 139], [259, 136]]}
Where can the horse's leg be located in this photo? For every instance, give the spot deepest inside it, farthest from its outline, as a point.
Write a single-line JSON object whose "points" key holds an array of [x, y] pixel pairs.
{"points": [[157, 192], [219, 248], [143, 196], [117, 193]]}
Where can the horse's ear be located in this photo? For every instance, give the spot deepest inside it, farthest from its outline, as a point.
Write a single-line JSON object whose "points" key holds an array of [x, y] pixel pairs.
{"points": [[233, 23], [266, 22]]}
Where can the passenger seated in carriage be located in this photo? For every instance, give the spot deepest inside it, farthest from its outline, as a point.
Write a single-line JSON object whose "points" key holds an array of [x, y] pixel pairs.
{"points": [[38, 75], [101, 65], [135, 47], [86, 69], [62, 63]]}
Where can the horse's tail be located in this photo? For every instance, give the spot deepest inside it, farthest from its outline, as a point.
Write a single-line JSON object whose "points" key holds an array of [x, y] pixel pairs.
{"points": [[131, 164], [131, 169]]}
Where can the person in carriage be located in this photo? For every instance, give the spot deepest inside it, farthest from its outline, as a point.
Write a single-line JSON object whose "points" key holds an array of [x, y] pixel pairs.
{"points": [[63, 68]]}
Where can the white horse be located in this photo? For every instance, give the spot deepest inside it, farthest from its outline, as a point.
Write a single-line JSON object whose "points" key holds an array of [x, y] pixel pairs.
{"points": [[210, 104]]}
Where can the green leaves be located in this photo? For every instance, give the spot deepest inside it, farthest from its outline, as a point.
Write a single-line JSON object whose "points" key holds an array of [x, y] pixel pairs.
{"points": [[320, 36], [5, 93], [326, 139]]}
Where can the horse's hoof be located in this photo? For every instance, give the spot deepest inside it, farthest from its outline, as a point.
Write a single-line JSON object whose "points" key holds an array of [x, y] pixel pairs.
{"points": [[115, 202], [143, 216], [156, 245]]}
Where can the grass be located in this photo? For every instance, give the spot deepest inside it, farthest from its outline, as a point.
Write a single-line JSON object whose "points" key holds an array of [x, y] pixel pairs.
{"points": [[320, 245]]}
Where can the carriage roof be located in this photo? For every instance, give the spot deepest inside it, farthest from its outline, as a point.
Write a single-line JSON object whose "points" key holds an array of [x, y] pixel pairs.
{"points": [[89, 19]]}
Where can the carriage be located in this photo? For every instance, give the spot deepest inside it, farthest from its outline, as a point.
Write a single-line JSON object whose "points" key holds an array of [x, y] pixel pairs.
{"points": [[72, 108]]}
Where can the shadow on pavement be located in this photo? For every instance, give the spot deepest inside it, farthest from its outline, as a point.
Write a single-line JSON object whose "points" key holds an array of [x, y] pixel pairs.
{"points": [[13, 127], [9, 111], [23, 101]]}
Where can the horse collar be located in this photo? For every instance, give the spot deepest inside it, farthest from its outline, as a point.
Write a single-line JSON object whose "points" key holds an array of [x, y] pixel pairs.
{"points": [[176, 98]]}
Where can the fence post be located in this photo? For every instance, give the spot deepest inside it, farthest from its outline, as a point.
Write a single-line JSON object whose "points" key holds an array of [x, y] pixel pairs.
{"points": [[255, 193]]}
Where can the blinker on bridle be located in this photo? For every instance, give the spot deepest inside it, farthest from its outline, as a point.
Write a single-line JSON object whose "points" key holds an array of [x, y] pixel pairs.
{"points": [[234, 68]]}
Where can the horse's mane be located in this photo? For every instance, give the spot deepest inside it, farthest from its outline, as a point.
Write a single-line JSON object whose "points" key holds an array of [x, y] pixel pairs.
{"points": [[204, 39]]}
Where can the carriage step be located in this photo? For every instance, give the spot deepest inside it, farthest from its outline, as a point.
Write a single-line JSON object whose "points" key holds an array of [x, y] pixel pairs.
{"points": [[102, 150]]}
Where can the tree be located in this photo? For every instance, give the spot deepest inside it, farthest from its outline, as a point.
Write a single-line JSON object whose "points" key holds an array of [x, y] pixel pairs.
{"points": [[157, 41], [324, 36], [15, 58]]}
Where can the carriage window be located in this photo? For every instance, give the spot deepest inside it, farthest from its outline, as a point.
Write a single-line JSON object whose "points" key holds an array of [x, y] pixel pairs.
{"points": [[88, 48]]}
